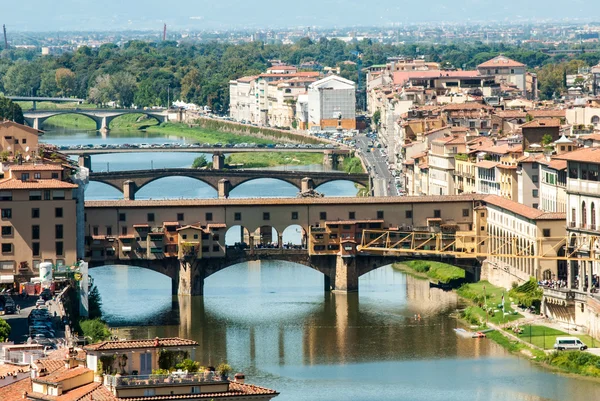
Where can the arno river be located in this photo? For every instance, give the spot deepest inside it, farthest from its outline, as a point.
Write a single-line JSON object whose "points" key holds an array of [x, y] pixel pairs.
{"points": [[272, 320]]}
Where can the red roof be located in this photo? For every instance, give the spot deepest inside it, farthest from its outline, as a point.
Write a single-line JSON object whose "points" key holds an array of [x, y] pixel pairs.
{"points": [[13, 183], [132, 344], [401, 77], [30, 166], [500, 61], [522, 210]]}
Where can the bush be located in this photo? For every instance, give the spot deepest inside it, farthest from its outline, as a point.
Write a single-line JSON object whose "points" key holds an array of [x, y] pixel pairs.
{"points": [[95, 329], [189, 365], [4, 330], [200, 162]]}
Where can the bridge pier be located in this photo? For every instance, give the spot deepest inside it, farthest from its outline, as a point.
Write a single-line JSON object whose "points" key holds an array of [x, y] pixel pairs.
{"points": [[307, 184], [330, 159], [218, 161], [224, 186], [102, 124], [84, 161], [346, 275], [190, 280], [129, 190]]}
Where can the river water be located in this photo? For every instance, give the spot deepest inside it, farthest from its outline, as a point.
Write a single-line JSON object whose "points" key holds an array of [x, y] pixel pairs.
{"points": [[272, 320]]}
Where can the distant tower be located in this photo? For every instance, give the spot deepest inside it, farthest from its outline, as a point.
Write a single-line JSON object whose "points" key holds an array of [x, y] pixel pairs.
{"points": [[5, 38], [165, 32]]}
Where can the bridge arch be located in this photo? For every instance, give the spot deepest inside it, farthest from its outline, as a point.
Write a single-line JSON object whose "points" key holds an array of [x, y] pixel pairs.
{"points": [[176, 187], [237, 183], [89, 122], [294, 235], [137, 114]]}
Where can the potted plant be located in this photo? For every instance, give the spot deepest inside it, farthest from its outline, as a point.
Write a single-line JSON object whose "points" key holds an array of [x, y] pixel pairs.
{"points": [[223, 370]]}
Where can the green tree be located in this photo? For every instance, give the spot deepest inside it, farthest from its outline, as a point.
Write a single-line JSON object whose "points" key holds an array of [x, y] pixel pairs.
{"points": [[200, 162], [4, 330], [10, 110], [546, 139], [124, 86], [188, 365], [190, 86], [102, 92], [95, 329], [94, 303], [65, 80], [377, 117]]}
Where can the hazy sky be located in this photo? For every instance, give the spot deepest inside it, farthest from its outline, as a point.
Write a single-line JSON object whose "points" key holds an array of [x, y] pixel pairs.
{"points": [[53, 15]]}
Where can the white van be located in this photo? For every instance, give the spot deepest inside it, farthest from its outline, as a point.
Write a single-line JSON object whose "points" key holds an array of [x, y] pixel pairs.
{"points": [[569, 343]]}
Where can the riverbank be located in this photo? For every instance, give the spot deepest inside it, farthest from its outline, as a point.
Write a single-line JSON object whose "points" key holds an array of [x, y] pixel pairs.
{"points": [[525, 336], [273, 159], [441, 272]]}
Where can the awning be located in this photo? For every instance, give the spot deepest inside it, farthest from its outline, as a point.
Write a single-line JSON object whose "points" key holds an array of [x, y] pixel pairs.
{"points": [[126, 249], [7, 278]]}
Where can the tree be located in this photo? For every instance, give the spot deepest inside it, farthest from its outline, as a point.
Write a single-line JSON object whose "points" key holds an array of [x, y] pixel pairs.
{"points": [[200, 162], [103, 91], [10, 110], [124, 86], [95, 329], [4, 330], [377, 117], [94, 303], [22, 78], [65, 80], [190, 86], [546, 139], [188, 365]]}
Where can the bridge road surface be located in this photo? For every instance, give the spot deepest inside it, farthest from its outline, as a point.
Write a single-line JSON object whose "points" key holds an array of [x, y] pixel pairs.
{"points": [[382, 176]]}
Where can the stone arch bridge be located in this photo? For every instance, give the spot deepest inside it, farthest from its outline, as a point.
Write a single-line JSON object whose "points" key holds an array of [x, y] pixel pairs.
{"points": [[102, 118], [129, 182], [339, 273]]}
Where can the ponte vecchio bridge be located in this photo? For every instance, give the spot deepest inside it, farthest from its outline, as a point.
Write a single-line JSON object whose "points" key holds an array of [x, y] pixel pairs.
{"points": [[185, 239]]}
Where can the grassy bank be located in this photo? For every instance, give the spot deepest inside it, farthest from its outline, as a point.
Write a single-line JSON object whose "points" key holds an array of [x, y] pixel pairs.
{"points": [[441, 272], [127, 122], [273, 159], [203, 135], [352, 165], [487, 297]]}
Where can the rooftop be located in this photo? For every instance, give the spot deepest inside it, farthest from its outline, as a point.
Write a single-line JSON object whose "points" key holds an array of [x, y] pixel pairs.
{"points": [[590, 155], [522, 210], [13, 183], [36, 167], [500, 61], [541, 123], [133, 344]]}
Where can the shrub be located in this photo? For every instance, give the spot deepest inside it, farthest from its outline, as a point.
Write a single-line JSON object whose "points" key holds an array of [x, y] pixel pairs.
{"points": [[95, 329]]}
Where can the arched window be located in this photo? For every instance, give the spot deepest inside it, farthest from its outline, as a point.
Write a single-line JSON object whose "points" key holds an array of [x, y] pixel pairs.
{"points": [[593, 215], [583, 215], [595, 120]]}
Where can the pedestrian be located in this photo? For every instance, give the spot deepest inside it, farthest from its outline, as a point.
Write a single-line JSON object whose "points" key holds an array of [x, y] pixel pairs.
{"points": [[18, 309]]}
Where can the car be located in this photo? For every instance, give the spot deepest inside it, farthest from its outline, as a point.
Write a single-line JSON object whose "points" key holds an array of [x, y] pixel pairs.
{"points": [[569, 343]]}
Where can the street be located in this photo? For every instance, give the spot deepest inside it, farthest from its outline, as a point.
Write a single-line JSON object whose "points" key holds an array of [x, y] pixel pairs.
{"points": [[383, 180]]}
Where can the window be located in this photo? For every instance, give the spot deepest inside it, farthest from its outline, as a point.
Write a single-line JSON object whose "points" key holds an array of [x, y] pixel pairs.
{"points": [[216, 248], [58, 231], [583, 214], [266, 216], [209, 216], [482, 214], [195, 389], [535, 205], [55, 176], [195, 236], [323, 215], [5, 195], [6, 231], [58, 212], [6, 248], [180, 217], [380, 214], [122, 217], [150, 216], [108, 231], [535, 178], [35, 248], [408, 214], [23, 141], [437, 213], [148, 392], [183, 236], [294, 215], [59, 248], [46, 195], [6, 213], [534, 193], [465, 212], [593, 215], [58, 195], [24, 176], [237, 216], [546, 232], [37, 176], [351, 215], [124, 230]]}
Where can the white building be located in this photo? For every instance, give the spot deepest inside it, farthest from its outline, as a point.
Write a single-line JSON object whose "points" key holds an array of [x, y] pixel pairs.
{"points": [[332, 104], [506, 71], [242, 99]]}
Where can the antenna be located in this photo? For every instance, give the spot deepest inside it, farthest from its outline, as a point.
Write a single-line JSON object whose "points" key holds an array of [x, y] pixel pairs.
{"points": [[5, 38], [165, 32]]}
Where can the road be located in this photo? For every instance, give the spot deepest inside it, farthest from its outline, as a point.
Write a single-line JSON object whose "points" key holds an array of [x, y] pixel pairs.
{"points": [[383, 181]]}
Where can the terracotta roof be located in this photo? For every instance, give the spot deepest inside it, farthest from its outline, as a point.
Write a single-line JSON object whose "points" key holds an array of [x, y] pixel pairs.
{"points": [[217, 225], [14, 391], [500, 61], [189, 226], [133, 344], [467, 106], [506, 166], [262, 202], [98, 237], [75, 394], [544, 122], [170, 223], [141, 225], [503, 149], [532, 158], [590, 137], [51, 365], [591, 155], [409, 162], [30, 166], [522, 210], [11, 370], [511, 114], [247, 79], [419, 155], [13, 183], [21, 126], [558, 164], [545, 113], [62, 375], [487, 164], [424, 165], [401, 77]]}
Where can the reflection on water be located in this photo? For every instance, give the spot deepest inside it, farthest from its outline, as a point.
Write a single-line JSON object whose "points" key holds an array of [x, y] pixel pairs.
{"points": [[272, 321]]}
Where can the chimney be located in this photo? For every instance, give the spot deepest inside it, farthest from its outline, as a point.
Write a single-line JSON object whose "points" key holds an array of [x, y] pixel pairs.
{"points": [[240, 378], [156, 342]]}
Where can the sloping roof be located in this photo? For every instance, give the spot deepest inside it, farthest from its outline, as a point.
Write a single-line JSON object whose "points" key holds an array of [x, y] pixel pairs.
{"points": [[14, 391], [558, 164], [133, 344], [522, 210], [467, 106], [541, 123], [401, 77], [487, 164], [13, 183], [500, 61], [36, 167], [8, 123], [545, 113], [591, 155], [63, 374]]}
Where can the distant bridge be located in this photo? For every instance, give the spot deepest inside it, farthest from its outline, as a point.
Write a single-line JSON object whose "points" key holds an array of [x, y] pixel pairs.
{"points": [[102, 117], [204, 149], [36, 99], [129, 182]]}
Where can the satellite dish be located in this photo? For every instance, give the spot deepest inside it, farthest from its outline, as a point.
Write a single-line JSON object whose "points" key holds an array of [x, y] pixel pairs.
{"points": [[27, 149], [28, 157]]}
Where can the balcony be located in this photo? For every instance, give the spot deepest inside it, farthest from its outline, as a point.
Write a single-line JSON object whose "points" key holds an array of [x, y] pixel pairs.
{"points": [[174, 379]]}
